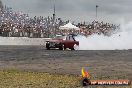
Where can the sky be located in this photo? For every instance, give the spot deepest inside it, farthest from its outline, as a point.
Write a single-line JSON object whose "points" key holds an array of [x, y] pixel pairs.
{"points": [[76, 10]]}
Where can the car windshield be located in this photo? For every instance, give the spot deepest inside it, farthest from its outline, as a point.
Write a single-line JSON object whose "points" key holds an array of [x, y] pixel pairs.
{"points": [[60, 37]]}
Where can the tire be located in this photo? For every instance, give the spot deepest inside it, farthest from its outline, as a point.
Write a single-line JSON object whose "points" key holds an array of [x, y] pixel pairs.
{"points": [[75, 47], [47, 46], [72, 48], [61, 47], [85, 82]]}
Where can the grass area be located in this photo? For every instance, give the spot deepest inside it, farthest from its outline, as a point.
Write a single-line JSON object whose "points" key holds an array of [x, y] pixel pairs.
{"points": [[24, 79]]}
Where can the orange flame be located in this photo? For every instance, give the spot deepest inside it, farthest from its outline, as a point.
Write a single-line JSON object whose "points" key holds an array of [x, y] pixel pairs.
{"points": [[85, 73]]}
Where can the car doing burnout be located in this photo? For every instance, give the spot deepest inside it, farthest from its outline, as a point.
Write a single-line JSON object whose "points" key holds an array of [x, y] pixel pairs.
{"points": [[63, 42]]}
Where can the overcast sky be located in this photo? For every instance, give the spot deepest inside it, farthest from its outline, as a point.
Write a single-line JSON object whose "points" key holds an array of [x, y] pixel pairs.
{"points": [[75, 10]]}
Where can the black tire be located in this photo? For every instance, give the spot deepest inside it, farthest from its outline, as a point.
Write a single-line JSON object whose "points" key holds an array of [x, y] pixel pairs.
{"points": [[47, 46], [72, 49], [85, 82], [61, 47]]}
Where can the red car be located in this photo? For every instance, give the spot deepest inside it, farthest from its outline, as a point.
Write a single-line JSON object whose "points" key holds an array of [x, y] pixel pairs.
{"points": [[63, 42]]}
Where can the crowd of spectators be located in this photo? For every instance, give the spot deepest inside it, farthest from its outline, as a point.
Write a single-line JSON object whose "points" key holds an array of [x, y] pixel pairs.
{"points": [[99, 28], [18, 24]]}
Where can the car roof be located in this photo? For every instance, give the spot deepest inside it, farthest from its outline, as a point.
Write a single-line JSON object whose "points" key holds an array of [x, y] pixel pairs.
{"points": [[73, 34]]}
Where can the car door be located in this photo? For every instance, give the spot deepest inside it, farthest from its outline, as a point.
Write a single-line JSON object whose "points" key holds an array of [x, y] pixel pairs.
{"points": [[69, 43]]}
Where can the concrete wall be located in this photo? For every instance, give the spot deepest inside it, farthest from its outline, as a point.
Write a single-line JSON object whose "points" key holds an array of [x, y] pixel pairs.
{"points": [[22, 41]]}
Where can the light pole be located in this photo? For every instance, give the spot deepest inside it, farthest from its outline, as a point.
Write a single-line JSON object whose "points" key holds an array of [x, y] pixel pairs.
{"points": [[54, 19], [96, 11], [1, 5]]}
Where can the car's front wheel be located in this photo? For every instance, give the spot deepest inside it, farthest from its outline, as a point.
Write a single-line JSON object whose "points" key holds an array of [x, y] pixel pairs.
{"points": [[47, 46]]}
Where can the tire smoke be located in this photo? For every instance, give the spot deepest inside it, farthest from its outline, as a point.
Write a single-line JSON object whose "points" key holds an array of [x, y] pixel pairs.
{"points": [[122, 40]]}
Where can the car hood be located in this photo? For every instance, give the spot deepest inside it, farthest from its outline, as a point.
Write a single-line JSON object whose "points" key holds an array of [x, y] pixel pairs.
{"points": [[55, 40]]}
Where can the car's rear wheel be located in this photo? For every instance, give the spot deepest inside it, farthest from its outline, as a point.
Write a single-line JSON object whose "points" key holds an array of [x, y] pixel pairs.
{"points": [[75, 47]]}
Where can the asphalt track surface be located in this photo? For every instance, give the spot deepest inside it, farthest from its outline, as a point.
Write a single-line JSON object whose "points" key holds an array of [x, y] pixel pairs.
{"points": [[115, 63]]}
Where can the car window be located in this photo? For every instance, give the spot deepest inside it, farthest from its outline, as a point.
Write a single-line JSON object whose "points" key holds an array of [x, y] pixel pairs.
{"points": [[71, 38], [60, 37], [67, 38], [64, 38]]}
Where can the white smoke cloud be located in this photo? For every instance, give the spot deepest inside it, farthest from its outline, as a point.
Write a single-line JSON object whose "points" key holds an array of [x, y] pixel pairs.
{"points": [[119, 41]]}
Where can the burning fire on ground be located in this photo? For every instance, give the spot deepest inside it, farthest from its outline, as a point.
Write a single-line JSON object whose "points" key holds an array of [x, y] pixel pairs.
{"points": [[85, 81]]}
